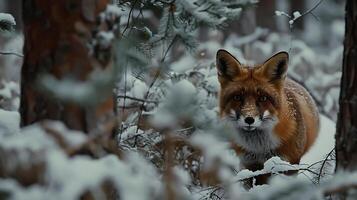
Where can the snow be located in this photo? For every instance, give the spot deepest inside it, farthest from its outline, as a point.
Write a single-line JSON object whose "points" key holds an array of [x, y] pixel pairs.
{"points": [[114, 10], [129, 177], [212, 150], [163, 119], [71, 137], [9, 122], [324, 143], [296, 14], [184, 88], [273, 165], [8, 88], [105, 38], [212, 84], [184, 64], [281, 13], [139, 89], [130, 132], [68, 178], [19, 192], [31, 138], [278, 13], [7, 17]]}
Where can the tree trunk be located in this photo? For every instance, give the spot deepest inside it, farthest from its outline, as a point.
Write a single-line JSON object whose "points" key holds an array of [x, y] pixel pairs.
{"points": [[56, 34], [265, 13], [346, 136]]}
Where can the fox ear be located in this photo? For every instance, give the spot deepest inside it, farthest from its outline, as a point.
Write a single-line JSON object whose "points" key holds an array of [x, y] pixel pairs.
{"points": [[275, 68], [227, 65]]}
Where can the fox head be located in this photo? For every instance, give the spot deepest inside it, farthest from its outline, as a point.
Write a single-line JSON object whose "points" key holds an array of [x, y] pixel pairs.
{"points": [[250, 97]]}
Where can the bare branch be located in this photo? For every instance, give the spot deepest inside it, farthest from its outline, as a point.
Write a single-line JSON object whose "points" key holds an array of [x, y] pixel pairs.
{"points": [[297, 16], [158, 72], [323, 164], [129, 16], [313, 8], [137, 99], [12, 53]]}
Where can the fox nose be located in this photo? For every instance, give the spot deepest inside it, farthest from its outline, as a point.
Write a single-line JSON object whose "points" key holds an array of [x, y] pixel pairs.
{"points": [[249, 120]]}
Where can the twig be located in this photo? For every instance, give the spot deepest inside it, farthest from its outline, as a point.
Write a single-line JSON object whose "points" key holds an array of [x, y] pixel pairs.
{"points": [[153, 81], [124, 103], [12, 53], [294, 18], [130, 14], [313, 8], [137, 99], [323, 164], [128, 107], [320, 161]]}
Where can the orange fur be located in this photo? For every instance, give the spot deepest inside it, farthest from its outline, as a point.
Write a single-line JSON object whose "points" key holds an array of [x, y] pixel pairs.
{"points": [[254, 91]]}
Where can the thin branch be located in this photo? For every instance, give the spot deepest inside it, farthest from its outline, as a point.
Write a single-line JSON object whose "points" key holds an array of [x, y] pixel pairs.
{"points": [[12, 53], [168, 49], [130, 14], [275, 173], [310, 11], [313, 8], [318, 162], [128, 107], [316, 17], [294, 18], [323, 164], [124, 102], [137, 99], [153, 81]]}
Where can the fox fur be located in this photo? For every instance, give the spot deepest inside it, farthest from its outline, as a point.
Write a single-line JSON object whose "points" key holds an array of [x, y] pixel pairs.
{"points": [[272, 114]]}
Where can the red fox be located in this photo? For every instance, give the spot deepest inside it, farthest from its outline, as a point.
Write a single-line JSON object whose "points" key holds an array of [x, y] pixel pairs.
{"points": [[272, 114]]}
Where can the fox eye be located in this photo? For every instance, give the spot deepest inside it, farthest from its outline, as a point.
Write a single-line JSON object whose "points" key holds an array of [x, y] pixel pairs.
{"points": [[263, 98], [237, 97]]}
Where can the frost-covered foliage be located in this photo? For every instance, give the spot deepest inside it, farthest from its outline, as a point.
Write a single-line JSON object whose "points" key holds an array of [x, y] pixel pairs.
{"points": [[40, 158], [170, 142], [170, 104], [7, 22]]}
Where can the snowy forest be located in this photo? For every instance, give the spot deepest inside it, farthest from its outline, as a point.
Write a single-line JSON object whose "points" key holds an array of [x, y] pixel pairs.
{"points": [[178, 99]]}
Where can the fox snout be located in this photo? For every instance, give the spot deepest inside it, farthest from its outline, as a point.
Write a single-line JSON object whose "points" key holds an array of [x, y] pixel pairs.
{"points": [[250, 121]]}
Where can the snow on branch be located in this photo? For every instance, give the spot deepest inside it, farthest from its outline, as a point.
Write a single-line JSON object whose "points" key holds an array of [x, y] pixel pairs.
{"points": [[296, 14], [7, 22], [11, 53]]}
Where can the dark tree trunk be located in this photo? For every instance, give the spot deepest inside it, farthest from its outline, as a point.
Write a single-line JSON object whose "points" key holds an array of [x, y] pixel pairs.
{"points": [[346, 137], [265, 12], [56, 34]]}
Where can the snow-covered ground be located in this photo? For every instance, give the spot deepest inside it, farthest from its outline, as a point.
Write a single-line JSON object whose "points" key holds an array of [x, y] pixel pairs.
{"points": [[324, 143]]}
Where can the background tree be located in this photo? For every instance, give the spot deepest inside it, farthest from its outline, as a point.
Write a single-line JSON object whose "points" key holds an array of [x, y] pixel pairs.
{"points": [[64, 28], [346, 137]]}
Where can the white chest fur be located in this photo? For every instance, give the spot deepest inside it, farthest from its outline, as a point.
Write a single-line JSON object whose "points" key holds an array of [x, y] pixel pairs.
{"points": [[258, 141]]}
